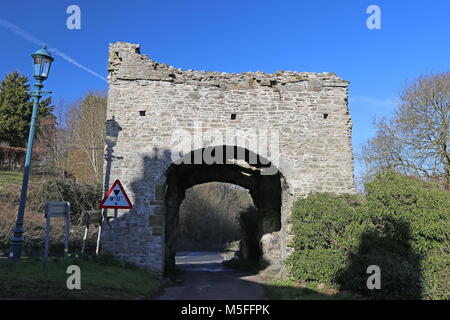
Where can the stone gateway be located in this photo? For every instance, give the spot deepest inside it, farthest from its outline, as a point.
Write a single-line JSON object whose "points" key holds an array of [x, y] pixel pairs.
{"points": [[281, 136]]}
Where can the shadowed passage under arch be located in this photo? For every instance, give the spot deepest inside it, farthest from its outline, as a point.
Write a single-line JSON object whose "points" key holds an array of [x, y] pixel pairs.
{"points": [[237, 166]]}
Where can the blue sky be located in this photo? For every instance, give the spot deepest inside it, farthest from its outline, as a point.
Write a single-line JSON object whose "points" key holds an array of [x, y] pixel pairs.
{"points": [[238, 36]]}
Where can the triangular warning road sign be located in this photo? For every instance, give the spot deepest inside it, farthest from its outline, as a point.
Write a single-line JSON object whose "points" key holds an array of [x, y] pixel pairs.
{"points": [[116, 198]]}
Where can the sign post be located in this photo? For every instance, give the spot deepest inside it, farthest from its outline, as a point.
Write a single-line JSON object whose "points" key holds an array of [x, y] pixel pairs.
{"points": [[114, 231], [90, 218], [116, 198], [56, 209]]}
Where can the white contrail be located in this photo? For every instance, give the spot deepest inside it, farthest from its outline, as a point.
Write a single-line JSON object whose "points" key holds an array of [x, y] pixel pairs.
{"points": [[33, 39]]}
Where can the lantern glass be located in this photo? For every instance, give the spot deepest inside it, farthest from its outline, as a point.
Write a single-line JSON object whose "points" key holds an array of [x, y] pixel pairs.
{"points": [[42, 61], [41, 66]]}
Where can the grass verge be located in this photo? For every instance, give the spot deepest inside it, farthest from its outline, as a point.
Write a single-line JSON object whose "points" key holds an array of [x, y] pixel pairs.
{"points": [[101, 278], [291, 290], [13, 177]]}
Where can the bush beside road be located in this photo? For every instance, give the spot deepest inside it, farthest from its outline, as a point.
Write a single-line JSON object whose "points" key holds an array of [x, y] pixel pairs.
{"points": [[402, 226]]}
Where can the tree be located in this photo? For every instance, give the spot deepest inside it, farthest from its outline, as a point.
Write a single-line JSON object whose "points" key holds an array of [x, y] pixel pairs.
{"points": [[416, 139], [51, 148], [209, 213], [86, 126], [16, 108]]}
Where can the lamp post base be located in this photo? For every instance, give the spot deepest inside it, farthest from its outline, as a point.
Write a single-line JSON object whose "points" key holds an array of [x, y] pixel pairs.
{"points": [[15, 251]]}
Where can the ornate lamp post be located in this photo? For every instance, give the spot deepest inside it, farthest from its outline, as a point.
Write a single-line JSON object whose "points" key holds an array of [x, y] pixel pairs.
{"points": [[42, 61]]}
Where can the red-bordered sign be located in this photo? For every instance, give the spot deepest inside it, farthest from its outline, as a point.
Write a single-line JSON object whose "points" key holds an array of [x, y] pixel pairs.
{"points": [[116, 198]]}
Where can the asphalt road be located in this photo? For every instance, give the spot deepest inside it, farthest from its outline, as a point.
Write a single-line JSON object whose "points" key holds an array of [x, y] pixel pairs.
{"points": [[201, 276]]}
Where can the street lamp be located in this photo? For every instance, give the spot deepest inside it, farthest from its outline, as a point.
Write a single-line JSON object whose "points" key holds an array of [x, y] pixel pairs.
{"points": [[42, 61]]}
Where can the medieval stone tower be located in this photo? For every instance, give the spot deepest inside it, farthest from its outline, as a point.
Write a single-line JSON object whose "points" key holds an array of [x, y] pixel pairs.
{"points": [[281, 136]]}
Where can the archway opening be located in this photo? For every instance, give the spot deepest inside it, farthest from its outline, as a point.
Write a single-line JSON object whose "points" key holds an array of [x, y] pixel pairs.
{"points": [[243, 169], [210, 226], [209, 216]]}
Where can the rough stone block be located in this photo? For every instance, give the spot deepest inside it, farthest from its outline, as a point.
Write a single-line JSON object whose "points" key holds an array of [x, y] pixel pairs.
{"points": [[160, 191], [160, 210], [315, 85], [157, 231], [156, 220]]}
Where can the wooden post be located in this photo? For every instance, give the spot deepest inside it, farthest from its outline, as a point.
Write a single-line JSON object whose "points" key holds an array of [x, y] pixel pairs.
{"points": [[84, 238], [97, 249], [102, 219], [66, 241]]}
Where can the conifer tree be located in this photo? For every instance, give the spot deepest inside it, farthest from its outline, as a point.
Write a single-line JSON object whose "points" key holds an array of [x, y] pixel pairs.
{"points": [[16, 107]]}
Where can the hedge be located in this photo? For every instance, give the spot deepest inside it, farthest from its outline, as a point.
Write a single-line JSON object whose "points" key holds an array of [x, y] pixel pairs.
{"points": [[402, 225], [82, 197], [11, 157]]}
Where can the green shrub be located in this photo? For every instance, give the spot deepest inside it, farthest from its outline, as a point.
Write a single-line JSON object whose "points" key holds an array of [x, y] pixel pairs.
{"points": [[326, 228], [403, 226], [420, 214], [318, 265], [436, 276], [399, 265], [423, 207], [82, 197]]}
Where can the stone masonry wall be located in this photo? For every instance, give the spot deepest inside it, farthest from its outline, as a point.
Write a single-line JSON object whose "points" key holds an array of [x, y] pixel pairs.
{"points": [[308, 110]]}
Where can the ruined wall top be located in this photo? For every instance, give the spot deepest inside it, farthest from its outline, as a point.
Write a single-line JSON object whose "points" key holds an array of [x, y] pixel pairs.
{"points": [[127, 63]]}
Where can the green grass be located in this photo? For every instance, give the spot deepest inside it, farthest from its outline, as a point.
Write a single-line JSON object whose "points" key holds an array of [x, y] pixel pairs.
{"points": [[101, 278], [291, 290], [12, 177]]}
